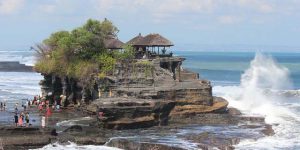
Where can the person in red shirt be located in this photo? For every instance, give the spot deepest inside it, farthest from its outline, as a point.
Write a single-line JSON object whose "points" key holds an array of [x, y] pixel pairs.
{"points": [[48, 111]]}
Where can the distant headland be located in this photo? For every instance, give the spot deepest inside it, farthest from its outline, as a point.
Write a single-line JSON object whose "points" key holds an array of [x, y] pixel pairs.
{"points": [[14, 66]]}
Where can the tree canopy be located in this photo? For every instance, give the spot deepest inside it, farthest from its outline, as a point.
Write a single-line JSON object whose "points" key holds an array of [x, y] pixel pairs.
{"points": [[80, 53]]}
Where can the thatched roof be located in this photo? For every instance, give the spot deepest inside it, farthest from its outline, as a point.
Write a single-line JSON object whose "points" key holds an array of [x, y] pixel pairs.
{"points": [[154, 40], [113, 43], [135, 39]]}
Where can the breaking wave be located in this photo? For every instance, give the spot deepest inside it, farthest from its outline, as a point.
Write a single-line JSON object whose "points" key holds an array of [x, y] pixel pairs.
{"points": [[73, 146], [266, 90]]}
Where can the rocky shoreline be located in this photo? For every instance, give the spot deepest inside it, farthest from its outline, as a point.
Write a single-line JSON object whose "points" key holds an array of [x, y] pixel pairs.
{"points": [[88, 134]]}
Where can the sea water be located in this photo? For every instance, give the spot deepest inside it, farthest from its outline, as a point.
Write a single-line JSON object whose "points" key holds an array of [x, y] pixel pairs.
{"points": [[258, 84], [265, 84]]}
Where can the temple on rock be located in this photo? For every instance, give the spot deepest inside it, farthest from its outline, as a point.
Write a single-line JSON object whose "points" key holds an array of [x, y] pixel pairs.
{"points": [[153, 89]]}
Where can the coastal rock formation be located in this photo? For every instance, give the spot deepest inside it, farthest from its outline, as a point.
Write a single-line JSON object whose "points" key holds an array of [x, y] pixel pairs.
{"points": [[24, 138], [140, 94], [14, 66], [143, 90], [126, 144], [130, 113]]}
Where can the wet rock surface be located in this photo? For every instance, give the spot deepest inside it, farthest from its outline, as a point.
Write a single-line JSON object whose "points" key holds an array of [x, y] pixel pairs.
{"points": [[175, 136], [24, 138], [125, 113], [127, 144]]}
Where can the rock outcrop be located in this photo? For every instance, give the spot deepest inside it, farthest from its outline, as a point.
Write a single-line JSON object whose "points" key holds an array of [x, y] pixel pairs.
{"points": [[14, 66], [141, 94], [24, 138], [130, 113]]}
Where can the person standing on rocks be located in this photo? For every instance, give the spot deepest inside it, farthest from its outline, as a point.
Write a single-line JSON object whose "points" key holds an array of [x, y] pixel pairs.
{"points": [[43, 122], [40, 107], [27, 119], [4, 106], [20, 120], [16, 108], [16, 119], [48, 111], [1, 106]]}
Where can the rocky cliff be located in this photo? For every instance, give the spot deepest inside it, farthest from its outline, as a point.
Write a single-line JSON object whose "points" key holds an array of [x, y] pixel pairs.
{"points": [[139, 94]]}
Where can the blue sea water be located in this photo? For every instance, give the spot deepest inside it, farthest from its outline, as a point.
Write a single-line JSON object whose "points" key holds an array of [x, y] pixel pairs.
{"points": [[226, 68], [265, 84]]}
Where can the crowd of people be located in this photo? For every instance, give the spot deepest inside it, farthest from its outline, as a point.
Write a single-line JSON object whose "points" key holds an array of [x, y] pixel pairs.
{"points": [[22, 118], [2, 106]]}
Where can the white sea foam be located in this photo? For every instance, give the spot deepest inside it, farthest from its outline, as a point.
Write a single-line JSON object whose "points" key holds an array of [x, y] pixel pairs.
{"points": [[20, 82], [72, 122], [253, 96], [24, 57], [73, 146]]}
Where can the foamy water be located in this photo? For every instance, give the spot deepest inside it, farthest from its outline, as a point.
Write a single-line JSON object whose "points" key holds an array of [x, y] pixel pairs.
{"points": [[252, 97], [73, 146], [23, 56]]}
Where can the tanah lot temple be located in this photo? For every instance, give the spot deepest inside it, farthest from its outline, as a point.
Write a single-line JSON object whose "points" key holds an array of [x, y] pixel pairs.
{"points": [[151, 90]]}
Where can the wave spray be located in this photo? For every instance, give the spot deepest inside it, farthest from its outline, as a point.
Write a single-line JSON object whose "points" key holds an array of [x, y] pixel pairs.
{"points": [[259, 94]]}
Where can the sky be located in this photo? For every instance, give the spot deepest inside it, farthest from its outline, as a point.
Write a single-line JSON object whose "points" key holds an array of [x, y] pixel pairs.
{"points": [[189, 24]]}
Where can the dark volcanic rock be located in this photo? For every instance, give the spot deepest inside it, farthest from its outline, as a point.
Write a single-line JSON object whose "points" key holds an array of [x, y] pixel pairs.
{"points": [[205, 119], [14, 66], [24, 138], [131, 113], [268, 130], [233, 111], [131, 145], [209, 141], [75, 128]]}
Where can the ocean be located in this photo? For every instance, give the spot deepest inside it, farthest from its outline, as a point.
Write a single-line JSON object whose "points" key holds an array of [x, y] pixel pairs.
{"points": [[264, 84]]}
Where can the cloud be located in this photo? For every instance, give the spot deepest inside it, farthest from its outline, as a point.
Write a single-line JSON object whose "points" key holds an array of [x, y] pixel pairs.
{"points": [[10, 6], [47, 8], [227, 19], [172, 8], [183, 6], [105, 7], [262, 6]]}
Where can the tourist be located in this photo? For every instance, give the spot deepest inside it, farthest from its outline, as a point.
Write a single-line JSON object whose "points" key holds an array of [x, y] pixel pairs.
{"points": [[48, 111], [43, 103], [27, 119], [43, 122], [57, 107], [28, 103], [16, 108], [40, 107], [20, 121], [16, 119], [24, 105], [38, 101], [62, 100], [1, 106], [4, 106]]}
